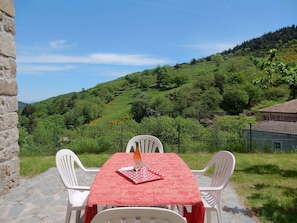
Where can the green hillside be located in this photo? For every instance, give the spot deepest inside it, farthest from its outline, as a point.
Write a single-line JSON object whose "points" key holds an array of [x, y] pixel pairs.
{"points": [[190, 106]]}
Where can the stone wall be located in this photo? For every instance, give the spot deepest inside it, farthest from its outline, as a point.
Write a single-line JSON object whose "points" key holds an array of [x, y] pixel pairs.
{"points": [[9, 149]]}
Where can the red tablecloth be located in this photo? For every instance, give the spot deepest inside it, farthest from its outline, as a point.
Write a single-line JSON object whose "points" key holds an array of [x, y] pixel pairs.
{"points": [[178, 187]]}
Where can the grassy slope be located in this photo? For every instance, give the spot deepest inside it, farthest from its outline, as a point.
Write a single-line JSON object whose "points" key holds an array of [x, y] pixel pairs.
{"points": [[119, 108]]}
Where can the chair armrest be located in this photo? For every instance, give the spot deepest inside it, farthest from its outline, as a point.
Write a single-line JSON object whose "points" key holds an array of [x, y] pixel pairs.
{"points": [[91, 170], [83, 188], [208, 189], [198, 172]]}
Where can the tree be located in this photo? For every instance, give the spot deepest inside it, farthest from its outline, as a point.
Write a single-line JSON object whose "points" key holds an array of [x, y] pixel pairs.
{"points": [[217, 58], [140, 109], [180, 101], [235, 100], [234, 124], [177, 66], [162, 74], [278, 73], [193, 61], [162, 106], [146, 82], [28, 110], [26, 142], [204, 82], [71, 101], [254, 94], [106, 94], [132, 78], [27, 119], [219, 82], [180, 79], [235, 78], [211, 100]]}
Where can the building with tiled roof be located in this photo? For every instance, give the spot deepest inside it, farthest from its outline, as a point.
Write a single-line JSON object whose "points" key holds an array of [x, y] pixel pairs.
{"points": [[286, 111], [277, 130]]}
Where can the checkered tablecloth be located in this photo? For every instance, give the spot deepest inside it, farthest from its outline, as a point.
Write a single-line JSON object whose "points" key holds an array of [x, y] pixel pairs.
{"points": [[142, 176]]}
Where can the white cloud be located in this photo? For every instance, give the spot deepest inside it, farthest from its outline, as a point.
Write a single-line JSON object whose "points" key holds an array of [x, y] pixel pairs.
{"points": [[95, 58], [44, 54], [51, 46], [125, 59], [58, 44], [37, 70]]}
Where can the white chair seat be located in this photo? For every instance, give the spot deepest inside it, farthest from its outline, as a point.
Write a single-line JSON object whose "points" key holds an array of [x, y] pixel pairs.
{"points": [[79, 198]]}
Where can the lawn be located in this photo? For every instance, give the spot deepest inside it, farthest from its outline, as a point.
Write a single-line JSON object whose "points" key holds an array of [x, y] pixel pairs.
{"points": [[266, 183]]}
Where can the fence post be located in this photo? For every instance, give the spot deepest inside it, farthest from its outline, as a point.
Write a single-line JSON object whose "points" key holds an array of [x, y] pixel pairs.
{"points": [[178, 130], [250, 137], [121, 139], [56, 143]]}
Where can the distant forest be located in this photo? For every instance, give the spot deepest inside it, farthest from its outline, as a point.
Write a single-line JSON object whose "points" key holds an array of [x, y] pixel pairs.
{"points": [[267, 41]]}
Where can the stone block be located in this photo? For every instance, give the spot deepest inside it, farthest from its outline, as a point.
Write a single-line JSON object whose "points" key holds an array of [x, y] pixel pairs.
{"points": [[9, 174], [13, 68], [7, 68], [7, 6], [8, 88], [8, 104], [9, 25], [8, 121], [7, 45], [9, 138]]}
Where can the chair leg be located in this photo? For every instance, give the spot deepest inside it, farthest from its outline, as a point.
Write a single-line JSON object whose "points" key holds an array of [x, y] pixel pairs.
{"points": [[77, 216], [68, 213], [208, 216], [219, 215]]}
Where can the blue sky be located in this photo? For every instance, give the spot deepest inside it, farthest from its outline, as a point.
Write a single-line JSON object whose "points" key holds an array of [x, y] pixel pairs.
{"points": [[67, 45]]}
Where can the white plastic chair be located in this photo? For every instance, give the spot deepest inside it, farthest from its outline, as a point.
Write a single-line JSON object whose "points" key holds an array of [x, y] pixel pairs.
{"points": [[224, 163], [77, 195], [138, 215], [147, 144]]}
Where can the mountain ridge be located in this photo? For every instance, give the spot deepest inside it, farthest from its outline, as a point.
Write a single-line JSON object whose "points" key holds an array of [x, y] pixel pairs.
{"points": [[263, 43]]}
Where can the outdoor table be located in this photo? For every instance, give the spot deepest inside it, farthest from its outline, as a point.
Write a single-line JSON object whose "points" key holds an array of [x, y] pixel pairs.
{"points": [[177, 187]]}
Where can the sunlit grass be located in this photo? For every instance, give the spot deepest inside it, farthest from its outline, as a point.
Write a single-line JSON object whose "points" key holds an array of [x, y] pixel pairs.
{"points": [[266, 183], [34, 165]]}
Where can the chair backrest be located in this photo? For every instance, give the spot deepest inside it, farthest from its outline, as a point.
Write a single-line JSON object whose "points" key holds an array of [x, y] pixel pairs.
{"points": [[65, 162], [138, 215], [147, 144], [224, 162]]}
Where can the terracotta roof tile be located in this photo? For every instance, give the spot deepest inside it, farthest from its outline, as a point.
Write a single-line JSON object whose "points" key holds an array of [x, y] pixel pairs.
{"points": [[286, 107], [276, 127]]}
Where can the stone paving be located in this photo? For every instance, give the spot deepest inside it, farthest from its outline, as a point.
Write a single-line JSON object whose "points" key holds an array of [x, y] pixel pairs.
{"points": [[44, 199]]}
